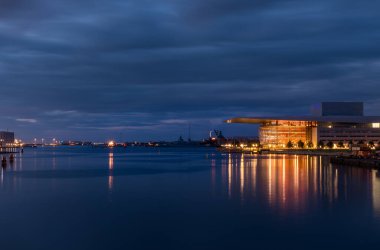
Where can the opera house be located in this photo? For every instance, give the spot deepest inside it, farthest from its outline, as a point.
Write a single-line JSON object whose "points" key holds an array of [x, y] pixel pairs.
{"points": [[340, 123]]}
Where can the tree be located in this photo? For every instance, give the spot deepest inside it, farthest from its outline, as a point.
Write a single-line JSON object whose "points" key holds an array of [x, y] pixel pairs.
{"points": [[330, 144], [371, 144], [361, 142], [289, 144], [310, 144], [340, 144], [300, 144], [321, 144]]}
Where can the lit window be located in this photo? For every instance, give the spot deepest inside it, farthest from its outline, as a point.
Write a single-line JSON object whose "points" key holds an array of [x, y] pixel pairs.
{"points": [[376, 125]]}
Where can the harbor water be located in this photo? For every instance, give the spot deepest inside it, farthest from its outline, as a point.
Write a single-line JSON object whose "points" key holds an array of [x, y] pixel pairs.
{"points": [[184, 198]]}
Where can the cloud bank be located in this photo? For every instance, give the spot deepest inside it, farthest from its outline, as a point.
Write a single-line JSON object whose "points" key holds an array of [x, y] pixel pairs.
{"points": [[144, 69]]}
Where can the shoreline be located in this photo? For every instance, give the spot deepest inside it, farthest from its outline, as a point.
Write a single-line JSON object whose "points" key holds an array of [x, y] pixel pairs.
{"points": [[337, 157], [315, 152]]}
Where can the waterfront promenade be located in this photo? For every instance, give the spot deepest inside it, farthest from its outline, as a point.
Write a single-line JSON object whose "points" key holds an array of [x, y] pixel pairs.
{"points": [[317, 152], [338, 157]]}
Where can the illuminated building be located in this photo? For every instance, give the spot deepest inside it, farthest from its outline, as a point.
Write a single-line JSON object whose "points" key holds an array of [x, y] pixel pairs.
{"points": [[7, 137], [337, 123]]}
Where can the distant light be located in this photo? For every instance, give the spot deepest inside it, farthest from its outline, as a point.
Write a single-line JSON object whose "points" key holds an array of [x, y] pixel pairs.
{"points": [[111, 144], [329, 126], [376, 125]]}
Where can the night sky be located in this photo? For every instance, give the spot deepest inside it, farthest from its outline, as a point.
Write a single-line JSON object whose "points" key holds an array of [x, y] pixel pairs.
{"points": [[144, 70]]}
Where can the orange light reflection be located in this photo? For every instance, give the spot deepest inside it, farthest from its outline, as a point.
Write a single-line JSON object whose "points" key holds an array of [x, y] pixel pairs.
{"points": [[288, 183], [110, 168]]}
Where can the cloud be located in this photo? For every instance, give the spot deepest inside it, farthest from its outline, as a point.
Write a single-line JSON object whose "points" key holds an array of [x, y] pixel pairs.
{"points": [[120, 65], [26, 120], [61, 112]]}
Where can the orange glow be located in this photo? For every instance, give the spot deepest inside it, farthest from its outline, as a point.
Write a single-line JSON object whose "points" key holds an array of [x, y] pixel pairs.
{"points": [[110, 167], [288, 182], [277, 134], [111, 144], [110, 161]]}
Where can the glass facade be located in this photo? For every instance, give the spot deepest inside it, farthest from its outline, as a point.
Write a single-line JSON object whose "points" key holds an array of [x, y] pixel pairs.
{"points": [[279, 133]]}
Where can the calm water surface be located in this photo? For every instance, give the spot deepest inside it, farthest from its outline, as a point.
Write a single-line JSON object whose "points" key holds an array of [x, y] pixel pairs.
{"points": [[184, 198]]}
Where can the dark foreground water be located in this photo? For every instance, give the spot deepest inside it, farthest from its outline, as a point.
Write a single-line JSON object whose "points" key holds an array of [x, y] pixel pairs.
{"points": [[145, 198]]}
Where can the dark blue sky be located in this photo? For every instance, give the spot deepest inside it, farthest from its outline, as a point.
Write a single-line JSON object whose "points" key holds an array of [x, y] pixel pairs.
{"points": [[144, 69]]}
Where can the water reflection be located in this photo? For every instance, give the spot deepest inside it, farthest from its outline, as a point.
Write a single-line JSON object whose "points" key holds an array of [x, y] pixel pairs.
{"points": [[296, 183], [19, 161], [213, 172], [54, 161], [110, 168], [376, 193], [2, 176]]}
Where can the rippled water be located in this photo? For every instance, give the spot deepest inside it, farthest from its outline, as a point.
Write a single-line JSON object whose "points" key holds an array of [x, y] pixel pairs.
{"points": [[184, 198]]}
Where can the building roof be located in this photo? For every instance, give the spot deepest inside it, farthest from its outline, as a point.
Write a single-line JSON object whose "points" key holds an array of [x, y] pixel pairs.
{"points": [[344, 119]]}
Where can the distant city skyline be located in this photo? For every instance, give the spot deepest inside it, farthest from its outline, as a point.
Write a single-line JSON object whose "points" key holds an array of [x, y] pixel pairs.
{"points": [[143, 70]]}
